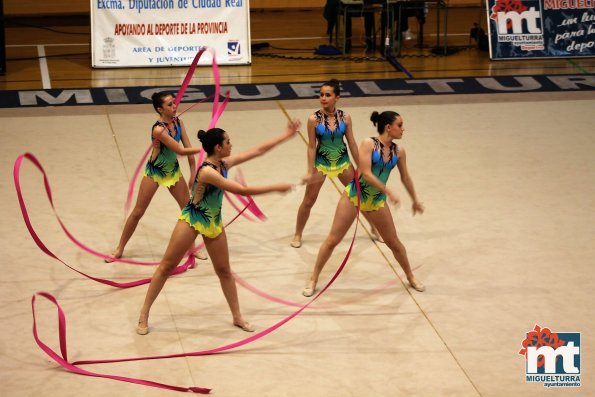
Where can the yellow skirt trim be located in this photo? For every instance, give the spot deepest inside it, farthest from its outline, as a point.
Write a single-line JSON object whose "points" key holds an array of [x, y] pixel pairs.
{"points": [[332, 171], [167, 181], [211, 232]]}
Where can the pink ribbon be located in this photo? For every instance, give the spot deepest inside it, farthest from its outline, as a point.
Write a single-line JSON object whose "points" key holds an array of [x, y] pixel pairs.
{"points": [[62, 359], [252, 207], [190, 261], [216, 112], [46, 250], [73, 367]]}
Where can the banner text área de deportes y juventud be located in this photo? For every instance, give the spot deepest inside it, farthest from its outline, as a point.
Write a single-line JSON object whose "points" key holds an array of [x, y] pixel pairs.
{"points": [[130, 33], [541, 28]]}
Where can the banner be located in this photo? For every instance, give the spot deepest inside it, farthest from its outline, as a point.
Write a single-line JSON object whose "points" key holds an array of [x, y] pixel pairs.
{"points": [[541, 28], [127, 33]]}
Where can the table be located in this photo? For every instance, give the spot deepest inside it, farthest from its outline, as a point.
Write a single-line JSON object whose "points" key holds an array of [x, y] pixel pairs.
{"points": [[347, 6], [393, 9]]}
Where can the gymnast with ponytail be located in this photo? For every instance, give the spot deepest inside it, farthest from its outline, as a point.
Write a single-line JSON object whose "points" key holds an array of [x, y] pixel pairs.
{"points": [[202, 215], [377, 158]]}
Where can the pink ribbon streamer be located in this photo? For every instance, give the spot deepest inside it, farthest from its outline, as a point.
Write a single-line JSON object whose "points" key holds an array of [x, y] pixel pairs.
{"points": [[216, 112], [252, 207], [73, 367], [189, 263], [63, 360]]}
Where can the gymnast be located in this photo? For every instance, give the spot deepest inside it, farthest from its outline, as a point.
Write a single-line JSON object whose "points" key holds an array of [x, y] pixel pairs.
{"points": [[378, 156], [163, 168], [202, 215], [328, 128]]}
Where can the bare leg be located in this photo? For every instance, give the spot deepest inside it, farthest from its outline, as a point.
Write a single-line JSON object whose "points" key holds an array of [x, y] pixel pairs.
{"points": [[386, 226], [181, 239], [345, 178], [344, 216], [147, 190], [219, 252], [310, 196], [180, 192]]}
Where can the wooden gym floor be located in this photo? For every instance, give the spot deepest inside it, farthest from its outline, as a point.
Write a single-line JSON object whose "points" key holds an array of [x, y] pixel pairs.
{"points": [[506, 242]]}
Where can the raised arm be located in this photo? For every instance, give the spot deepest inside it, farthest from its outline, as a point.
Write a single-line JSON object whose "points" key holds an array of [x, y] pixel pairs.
{"points": [[210, 176], [161, 134], [365, 169], [290, 131], [417, 206], [351, 140]]}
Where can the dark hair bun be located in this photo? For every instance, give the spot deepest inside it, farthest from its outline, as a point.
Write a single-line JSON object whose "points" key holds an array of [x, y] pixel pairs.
{"points": [[374, 117]]}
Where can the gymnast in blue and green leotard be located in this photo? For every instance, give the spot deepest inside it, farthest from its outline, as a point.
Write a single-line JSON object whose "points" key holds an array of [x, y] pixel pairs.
{"points": [[329, 136], [332, 157], [203, 211], [202, 215], [163, 166], [162, 169], [373, 199], [378, 156]]}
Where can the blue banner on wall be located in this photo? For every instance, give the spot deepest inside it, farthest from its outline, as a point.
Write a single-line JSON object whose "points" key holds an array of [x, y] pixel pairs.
{"points": [[541, 28]]}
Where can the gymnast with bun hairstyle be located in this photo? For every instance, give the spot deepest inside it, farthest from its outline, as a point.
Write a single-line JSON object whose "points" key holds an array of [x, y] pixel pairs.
{"points": [[202, 215], [162, 168], [377, 157]]}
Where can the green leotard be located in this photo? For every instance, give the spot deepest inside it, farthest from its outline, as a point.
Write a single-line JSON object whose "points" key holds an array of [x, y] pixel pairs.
{"points": [[371, 198], [203, 211], [332, 157], [165, 169]]}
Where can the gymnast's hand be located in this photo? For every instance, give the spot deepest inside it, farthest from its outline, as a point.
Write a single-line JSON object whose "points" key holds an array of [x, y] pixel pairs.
{"points": [[393, 198], [306, 178], [417, 207], [293, 126]]}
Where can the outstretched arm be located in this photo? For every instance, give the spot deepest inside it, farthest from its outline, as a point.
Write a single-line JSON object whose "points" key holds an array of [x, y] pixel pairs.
{"points": [[161, 134], [212, 177], [417, 206], [290, 131]]}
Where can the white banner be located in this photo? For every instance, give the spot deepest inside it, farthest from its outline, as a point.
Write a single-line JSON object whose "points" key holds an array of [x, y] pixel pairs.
{"points": [[128, 33]]}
